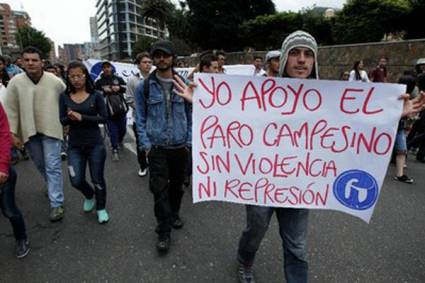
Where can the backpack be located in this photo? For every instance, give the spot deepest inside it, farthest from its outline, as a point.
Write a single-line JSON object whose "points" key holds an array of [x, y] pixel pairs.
{"points": [[116, 105]]}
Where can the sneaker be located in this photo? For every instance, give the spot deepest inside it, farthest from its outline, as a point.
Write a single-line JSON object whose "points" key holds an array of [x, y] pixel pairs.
{"points": [[115, 155], [404, 179], [245, 274], [142, 173], [163, 244], [25, 155], [22, 248], [56, 213], [177, 222], [102, 216], [88, 204]]}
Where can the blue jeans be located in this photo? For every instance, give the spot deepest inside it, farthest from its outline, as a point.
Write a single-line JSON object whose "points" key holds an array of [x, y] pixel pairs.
{"points": [[95, 156], [45, 152], [400, 144], [293, 225], [117, 128], [8, 206]]}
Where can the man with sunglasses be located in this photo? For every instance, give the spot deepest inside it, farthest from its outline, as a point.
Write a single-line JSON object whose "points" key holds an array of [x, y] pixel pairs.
{"points": [[164, 123]]}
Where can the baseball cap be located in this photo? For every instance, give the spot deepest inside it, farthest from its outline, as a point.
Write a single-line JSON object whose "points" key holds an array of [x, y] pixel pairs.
{"points": [[272, 54], [163, 45], [421, 61]]}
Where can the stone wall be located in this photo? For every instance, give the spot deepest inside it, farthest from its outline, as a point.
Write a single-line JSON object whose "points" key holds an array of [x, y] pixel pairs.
{"points": [[402, 56], [333, 60]]}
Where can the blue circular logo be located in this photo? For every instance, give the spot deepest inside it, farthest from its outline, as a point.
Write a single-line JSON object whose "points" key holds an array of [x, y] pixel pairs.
{"points": [[96, 69], [356, 189]]}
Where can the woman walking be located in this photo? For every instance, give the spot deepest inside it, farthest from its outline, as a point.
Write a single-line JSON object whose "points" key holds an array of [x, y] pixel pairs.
{"points": [[83, 108], [7, 189]]}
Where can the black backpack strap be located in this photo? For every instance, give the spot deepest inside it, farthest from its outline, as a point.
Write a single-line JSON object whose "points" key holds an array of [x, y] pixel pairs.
{"points": [[146, 89]]}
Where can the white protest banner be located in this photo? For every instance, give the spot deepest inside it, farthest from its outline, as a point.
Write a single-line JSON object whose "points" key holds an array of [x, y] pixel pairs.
{"points": [[126, 70], [293, 143], [244, 70]]}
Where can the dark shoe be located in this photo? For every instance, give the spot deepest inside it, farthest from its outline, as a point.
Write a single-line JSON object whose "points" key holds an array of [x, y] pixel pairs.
{"points": [[404, 179], [56, 213], [63, 155], [245, 274], [186, 181], [25, 155], [177, 223], [163, 244], [22, 248]]}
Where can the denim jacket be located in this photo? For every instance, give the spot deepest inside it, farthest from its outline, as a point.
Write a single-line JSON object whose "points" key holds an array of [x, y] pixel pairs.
{"points": [[153, 127]]}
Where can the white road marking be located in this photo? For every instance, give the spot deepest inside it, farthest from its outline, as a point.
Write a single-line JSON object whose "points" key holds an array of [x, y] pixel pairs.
{"points": [[130, 147]]}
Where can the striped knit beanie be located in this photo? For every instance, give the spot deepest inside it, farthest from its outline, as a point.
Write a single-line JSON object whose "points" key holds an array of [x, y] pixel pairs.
{"points": [[299, 39]]}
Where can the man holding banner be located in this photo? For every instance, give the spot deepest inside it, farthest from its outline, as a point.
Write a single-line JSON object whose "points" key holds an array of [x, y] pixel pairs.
{"points": [[290, 144], [298, 60]]}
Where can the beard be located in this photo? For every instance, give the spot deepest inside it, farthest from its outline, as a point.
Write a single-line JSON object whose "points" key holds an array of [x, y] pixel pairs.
{"points": [[164, 66]]}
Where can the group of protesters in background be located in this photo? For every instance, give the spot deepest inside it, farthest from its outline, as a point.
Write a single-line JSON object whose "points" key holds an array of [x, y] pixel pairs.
{"points": [[40, 102], [411, 130]]}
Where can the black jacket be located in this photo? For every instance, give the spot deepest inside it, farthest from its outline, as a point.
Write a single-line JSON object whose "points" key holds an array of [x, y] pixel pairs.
{"points": [[109, 81]]}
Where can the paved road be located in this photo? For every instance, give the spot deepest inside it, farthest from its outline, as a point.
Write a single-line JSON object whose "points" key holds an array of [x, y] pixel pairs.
{"points": [[341, 248]]}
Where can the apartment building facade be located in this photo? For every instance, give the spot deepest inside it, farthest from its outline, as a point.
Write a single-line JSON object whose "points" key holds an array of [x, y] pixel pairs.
{"points": [[120, 24]]}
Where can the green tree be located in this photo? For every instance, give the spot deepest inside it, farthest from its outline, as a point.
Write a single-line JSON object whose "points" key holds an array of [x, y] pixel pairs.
{"points": [[143, 44], [160, 10], [319, 26], [414, 18], [369, 20], [215, 24], [179, 29], [27, 36], [266, 32]]}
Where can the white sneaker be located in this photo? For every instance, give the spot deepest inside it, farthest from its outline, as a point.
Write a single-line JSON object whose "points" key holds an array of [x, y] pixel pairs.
{"points": [[115, 155], [142, 173]]}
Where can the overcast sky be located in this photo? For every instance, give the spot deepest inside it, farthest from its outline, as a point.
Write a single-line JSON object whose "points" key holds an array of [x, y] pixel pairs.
{"points": [[67, 21]]}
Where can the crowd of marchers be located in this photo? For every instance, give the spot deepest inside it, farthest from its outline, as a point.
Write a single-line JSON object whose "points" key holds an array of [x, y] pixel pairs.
{"points": [[52, 113]]}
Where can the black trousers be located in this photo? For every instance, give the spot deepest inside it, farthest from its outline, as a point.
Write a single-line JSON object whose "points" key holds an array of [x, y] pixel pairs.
{"points": [[167, 171], [8, 206], [141, 154], [416, 138]]}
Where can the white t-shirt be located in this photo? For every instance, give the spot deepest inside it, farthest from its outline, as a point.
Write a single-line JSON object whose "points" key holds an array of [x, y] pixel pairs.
{"points": [[363, 76], [260, 73]]}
